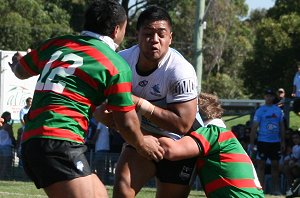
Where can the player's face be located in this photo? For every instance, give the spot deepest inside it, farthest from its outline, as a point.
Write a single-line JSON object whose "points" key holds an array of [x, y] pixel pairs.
{"points": [[154, 40]]}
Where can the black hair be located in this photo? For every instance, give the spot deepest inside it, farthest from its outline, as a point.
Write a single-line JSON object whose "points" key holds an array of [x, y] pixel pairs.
{"points": [[153, 13], [27, 99], [5, 116], [102, 16]]}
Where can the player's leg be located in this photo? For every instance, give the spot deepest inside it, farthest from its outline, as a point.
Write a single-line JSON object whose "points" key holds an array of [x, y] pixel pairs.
{"points": [[61, 169], [274, 155], [175, 178], [89, 186], [132, 172], [261, 158]]}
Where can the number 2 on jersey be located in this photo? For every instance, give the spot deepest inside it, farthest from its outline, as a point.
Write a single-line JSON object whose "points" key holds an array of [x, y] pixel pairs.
{"points": [[47, 79]]}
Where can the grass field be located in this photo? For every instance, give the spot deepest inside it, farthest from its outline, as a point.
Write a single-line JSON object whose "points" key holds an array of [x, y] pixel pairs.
{"points": [[16, 189]]}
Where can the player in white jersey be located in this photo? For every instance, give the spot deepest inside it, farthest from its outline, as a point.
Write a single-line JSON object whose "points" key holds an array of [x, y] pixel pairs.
{"points": [[165, 89], [169, 83]]}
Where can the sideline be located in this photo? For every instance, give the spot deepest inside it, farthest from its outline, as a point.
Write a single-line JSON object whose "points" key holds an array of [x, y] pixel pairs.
{"points": [[20, 194]]}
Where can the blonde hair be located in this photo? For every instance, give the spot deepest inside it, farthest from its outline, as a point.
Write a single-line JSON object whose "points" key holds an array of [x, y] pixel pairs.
{"points": [[210, 106]]}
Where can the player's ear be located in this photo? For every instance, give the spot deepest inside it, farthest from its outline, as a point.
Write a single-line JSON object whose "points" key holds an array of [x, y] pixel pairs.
{"points": [[171, 36]]}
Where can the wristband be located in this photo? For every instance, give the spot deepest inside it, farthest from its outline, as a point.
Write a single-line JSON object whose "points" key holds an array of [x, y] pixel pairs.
{"points": [[145, 107]]}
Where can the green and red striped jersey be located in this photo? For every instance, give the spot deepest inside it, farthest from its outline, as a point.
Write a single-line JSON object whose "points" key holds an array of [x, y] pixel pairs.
{"points": [[224, 168], [77, 73]]}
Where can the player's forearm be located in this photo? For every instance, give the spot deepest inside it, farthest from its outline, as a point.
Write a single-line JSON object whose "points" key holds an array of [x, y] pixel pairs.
{"points": [[128, 126], [253, 135], [184, 148], [171, 121], [178, 118]]}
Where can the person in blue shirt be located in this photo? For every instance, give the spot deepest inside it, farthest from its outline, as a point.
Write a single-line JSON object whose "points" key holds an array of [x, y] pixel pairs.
{"points": [[268, 130]]}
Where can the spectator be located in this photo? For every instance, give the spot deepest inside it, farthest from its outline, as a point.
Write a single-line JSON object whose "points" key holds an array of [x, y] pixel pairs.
{"points": [[280, 98], [25, 110], [101, 162], [116, 141], [7, 142], [89, 140], [19, 138], [1, 121], [296, 83], [292, 161], [270, 139], [284, 104]]}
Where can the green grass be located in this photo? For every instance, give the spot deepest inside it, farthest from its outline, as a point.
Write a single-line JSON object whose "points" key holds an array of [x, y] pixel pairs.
{"points": [[235, 120], [17, 189]]}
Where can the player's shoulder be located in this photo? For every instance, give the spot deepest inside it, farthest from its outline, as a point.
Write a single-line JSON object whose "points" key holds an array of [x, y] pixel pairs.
{"points": [[177, 63], [126, 53], [177, 57]]}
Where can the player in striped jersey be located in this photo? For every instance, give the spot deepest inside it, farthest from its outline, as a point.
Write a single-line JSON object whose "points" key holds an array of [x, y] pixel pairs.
{"points": [[78, 73], [224, 168]]}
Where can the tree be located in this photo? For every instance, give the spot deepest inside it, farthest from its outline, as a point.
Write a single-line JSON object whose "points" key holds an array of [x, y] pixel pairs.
{"points": [[276, 49], [26, 23], [227, 41], [273, 63]]}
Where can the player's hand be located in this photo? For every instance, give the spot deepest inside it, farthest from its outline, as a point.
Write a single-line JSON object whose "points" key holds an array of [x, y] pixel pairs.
{"points": [[1, 121], [151, 148], [104, 116], [15, 59]]}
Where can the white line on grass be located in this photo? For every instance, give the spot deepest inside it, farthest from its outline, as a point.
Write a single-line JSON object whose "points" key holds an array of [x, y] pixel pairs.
{"points": [[20, 194]]}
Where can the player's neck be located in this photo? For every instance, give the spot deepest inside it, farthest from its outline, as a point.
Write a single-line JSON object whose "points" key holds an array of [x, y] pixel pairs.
{"points": [[145, 68]]}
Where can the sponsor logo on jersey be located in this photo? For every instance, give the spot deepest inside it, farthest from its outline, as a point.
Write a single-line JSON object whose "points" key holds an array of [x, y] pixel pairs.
{"points": [[155, 90], [185, 86], [143, 83]]}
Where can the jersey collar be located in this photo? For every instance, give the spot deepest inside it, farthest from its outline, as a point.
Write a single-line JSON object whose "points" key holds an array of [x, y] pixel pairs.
{"points": [[106, 39]]}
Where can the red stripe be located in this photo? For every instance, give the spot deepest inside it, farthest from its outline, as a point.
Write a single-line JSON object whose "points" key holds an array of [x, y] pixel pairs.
{"points": [[120, 108], [205, 144], [231, 157], [226, 136], [87, 79], [224, 182], [35, 59], [92, 52], [79, 118], [26, 67], [76, 97], [200, 163], [52, 132], [118, 88]]}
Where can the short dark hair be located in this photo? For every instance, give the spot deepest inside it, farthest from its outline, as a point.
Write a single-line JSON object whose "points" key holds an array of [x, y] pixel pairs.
{"points": [[102, 16], [153, 13], [27, 99], [5, 116]]}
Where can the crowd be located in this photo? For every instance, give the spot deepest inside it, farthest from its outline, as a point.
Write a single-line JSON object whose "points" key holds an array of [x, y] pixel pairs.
{"points": [[89, 95]]}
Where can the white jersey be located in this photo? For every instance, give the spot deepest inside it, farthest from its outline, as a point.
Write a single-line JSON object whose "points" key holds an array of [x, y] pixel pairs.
{"points": [[173, 81]]}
